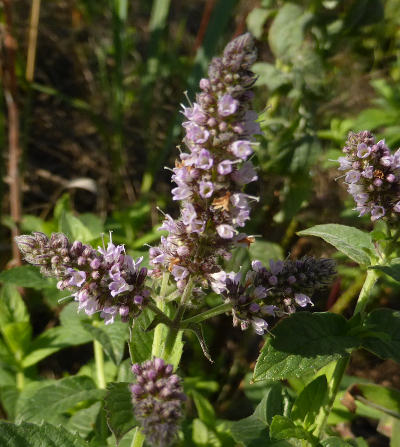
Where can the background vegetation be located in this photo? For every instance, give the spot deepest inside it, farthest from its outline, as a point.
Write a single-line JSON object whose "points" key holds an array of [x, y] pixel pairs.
{"points": [[90, 114]]}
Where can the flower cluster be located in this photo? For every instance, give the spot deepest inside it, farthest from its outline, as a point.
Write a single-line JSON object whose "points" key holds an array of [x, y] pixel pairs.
{"points": [[106, 280], [157, 399], [274, 291], [373, 175], [210, 177]]}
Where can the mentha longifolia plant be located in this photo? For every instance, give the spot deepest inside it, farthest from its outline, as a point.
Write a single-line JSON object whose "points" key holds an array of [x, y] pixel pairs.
{"points": [[210, 179]]}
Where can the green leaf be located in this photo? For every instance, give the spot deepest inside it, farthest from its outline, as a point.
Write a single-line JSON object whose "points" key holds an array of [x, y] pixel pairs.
{"points": [[286, 33], [307, 405], [255, 21], [44, 435], [52, 401], [270, 76], [141, 342], [253, 430], [204, 408], [12, 306], [200, 433], [272, 404], [119, 409], [265, 250], [74, 228], [18, 337], [52, 341], [249, 431], [354, 243], [283, 428], [385, 338], [9, 396], [111, 337], [25, 276], [392, 269], [302, 344], [83, 421]]}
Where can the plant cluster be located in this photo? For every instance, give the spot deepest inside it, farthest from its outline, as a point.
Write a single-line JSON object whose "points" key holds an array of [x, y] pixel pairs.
{"points": [[144, 399]]}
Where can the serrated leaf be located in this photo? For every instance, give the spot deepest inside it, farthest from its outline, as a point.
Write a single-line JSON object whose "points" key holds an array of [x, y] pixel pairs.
{"points": [[119, 409], [112, 338], [307, 405], [52, 401], [354, 243], [25, 276], [302, 344], [385, 342], [393, 269], [44, 435]]}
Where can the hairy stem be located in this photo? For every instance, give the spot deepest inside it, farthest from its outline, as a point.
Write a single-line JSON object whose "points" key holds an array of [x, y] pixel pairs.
{"points": [[363, 299], [138, 438], [99, 360]]}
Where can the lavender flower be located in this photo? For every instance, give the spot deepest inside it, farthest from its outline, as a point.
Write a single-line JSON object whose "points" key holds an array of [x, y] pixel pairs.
{"points": [[373, 175], [106, 280], [157, 399], [211, 175], [274, 291]]}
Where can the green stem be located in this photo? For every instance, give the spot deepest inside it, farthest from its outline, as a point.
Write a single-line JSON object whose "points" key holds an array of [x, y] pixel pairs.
{"points": [[333, 385], [222, 308], [346, 298], [340, 368], [20, 378], [156, 349], [99, 360], [363, 299], [138, 438]]}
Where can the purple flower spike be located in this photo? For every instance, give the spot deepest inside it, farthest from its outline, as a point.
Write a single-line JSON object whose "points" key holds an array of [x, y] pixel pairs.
{"points": [[102, 280], [373, 175], [211, 174], [270, 292], [158, 401]]}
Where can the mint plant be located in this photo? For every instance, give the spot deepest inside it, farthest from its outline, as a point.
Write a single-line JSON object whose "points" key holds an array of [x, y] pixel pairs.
{"points": [[157, 306]]}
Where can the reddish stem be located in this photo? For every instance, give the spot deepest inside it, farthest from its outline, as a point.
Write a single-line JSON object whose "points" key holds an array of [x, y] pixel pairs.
{"points": [[14, 149]]}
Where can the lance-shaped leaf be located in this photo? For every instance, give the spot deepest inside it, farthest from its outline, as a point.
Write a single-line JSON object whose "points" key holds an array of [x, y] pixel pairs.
{"points": [[302, 344], [354, 243]]}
